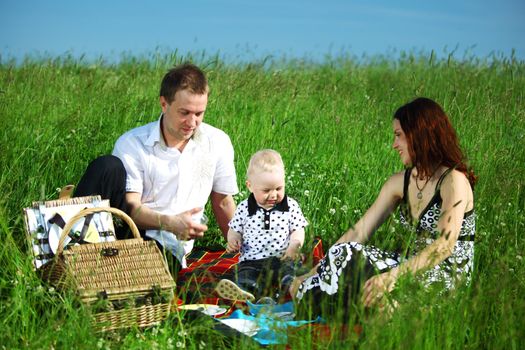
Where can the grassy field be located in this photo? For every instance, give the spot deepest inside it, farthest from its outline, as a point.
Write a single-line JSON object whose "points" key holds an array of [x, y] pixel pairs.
{"points": [[332, 124]]}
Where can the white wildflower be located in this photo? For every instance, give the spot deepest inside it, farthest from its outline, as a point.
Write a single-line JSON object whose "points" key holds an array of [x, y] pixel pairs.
{"points": [[332, 211], [306, 193]]}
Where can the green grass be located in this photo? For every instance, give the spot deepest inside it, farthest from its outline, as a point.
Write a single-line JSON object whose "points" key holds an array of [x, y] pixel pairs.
{"points": [[332, 124]]}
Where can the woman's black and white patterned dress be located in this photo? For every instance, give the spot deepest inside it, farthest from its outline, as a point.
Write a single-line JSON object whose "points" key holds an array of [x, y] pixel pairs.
{"points": [[341, 258]]}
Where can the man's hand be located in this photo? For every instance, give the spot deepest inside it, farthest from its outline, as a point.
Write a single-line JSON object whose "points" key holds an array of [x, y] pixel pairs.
{"points": [[183, 226]]}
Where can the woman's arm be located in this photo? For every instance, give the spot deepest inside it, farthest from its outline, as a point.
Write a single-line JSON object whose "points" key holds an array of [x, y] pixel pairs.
{"points": [[457, 197], [387, 200]]}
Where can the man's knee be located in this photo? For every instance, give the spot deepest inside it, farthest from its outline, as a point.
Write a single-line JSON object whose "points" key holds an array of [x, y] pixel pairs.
{"points": [[104, 176], [107, 163]]}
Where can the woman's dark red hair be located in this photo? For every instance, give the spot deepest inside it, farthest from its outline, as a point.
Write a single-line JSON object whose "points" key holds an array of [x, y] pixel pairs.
{"points": [[431, 139]]}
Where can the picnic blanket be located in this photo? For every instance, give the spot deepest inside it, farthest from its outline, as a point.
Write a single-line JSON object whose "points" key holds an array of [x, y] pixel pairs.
{"points": [[206, 266]]}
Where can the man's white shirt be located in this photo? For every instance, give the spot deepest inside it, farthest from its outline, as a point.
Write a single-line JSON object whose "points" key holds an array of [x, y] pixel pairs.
{"points": [[171, 182]]}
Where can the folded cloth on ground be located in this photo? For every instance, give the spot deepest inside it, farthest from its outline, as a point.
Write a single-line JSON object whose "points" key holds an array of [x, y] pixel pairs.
{"points": [[271, 328], [277, 310]]}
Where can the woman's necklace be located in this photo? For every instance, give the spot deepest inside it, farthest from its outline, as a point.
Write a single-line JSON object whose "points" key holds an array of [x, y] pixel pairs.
{"points": [[419, 194], [420, 190]]}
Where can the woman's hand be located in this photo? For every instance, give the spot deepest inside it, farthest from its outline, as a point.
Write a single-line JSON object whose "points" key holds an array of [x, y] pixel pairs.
{"points": [[376, 287]]}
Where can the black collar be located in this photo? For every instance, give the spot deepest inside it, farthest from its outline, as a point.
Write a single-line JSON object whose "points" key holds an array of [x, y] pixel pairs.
{"points": [[253, 206]]}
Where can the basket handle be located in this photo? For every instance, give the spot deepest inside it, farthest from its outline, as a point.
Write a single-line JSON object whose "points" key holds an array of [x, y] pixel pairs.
{"points": [[88, 211]]}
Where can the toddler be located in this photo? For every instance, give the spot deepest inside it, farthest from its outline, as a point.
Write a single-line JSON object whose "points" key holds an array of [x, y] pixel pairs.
{"points": [[268, 229]]}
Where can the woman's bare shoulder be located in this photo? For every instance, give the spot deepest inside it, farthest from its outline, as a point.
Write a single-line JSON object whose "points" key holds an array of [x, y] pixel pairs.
{"points": [[456, 179], [457, 187], [394, 184], [399, 176]]}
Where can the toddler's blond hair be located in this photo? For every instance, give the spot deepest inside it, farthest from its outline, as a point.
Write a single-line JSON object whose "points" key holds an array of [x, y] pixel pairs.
{"points": [[265, 160]]}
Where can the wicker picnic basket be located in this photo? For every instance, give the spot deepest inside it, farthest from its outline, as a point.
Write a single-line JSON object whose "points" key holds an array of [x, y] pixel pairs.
{"points": [[126, 283]]}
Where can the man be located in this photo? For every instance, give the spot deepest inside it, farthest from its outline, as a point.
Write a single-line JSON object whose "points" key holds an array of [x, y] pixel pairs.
{"points": [[173, 166]]}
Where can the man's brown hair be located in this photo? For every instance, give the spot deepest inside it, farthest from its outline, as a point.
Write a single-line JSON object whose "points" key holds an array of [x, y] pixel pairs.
{"points": [[186, 76]]}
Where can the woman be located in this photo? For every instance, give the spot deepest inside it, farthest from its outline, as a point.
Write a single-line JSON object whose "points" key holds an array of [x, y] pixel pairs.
{"points": [[435, 199]]}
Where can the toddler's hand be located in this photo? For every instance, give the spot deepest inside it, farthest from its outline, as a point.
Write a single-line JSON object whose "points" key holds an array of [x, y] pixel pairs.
{"points": [[233, 246], [291, 254]]}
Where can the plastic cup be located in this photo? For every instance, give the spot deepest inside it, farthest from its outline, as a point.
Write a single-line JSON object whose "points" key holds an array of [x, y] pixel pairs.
{"points": [[203, 220]]}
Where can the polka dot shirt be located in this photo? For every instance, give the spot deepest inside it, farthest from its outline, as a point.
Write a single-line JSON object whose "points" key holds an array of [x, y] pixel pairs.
{"points": [[266, 233]]}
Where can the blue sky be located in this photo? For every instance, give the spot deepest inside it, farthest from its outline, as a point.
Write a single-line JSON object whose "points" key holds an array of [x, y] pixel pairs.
{"points": [[243, 30]]}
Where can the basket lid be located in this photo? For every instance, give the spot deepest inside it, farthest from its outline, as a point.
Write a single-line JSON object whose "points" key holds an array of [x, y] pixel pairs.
{"points": [[119, 267]]}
